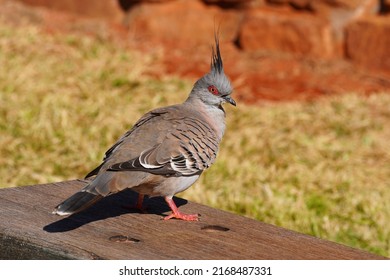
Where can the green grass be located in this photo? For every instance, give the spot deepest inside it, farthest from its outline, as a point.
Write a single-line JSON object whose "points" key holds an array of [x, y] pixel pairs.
{"points": [[321, 168]]}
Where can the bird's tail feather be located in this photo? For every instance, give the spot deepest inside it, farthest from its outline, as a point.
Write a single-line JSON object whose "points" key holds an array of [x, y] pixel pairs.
{"points": [[76, 203]]}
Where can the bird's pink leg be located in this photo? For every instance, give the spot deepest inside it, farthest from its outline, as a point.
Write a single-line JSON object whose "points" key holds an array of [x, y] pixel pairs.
{"points": [[177, 214]]}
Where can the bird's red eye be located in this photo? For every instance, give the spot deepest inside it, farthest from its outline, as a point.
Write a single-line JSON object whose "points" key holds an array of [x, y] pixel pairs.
{"points": [[213, 90]]}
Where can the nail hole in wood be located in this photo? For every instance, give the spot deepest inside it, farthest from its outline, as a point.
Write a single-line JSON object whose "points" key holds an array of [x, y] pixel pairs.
{"points": [[213, 228], [123, 238]]}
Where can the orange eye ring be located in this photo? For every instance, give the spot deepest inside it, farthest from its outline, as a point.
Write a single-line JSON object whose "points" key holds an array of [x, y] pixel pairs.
{"points": [[213, 90]]}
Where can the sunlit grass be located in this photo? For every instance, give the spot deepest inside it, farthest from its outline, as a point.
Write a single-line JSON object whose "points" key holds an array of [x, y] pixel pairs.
{"points": [[322, 168]]}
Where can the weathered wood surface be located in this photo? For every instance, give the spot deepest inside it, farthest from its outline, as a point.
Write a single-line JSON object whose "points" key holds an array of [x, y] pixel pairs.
{"points": [[108, 230]]}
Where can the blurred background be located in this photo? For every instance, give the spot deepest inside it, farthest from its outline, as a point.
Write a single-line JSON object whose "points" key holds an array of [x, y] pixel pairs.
{"points": [[307, 147]]}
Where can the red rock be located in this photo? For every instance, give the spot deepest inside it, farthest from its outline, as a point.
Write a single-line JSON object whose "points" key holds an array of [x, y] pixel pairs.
{"points": [[316, 5], [368, 41], [288, 32], [234, 3], [385, 8], [144, 1], [301, 4], [346, 9], [286, 78], [255, 77], [108, 9], [181, 23]]}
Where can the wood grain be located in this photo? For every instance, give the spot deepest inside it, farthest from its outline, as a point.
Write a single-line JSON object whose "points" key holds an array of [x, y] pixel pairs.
{"points": [[108, 230]]}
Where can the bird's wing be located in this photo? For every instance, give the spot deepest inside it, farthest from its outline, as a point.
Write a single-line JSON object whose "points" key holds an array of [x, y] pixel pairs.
{"points": [[188, 146], [126, 138]]}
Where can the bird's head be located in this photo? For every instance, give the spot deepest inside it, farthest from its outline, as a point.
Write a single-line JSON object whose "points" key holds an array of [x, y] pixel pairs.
{"points": [[214, 88]]}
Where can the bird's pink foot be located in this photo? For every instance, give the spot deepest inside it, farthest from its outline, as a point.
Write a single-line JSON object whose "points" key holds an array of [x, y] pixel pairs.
{"points": [[181, 216], [177, 214]]}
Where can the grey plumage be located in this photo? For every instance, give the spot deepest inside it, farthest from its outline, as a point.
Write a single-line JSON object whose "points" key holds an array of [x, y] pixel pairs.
{"points": [[77, 202], [166, 150]]}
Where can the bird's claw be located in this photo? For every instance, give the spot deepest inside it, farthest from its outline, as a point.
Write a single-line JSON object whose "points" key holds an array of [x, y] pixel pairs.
{"points": [[184, 217]]}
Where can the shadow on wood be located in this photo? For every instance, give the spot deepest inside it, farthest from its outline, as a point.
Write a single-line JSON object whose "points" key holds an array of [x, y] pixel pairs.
{"points": [[112, 206]]}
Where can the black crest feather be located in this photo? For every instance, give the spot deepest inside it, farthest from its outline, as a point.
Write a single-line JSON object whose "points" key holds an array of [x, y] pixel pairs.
{"points": [[216, 59]]}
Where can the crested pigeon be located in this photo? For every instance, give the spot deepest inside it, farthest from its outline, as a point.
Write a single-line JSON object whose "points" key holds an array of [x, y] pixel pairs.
{"points": [[166, 150]]}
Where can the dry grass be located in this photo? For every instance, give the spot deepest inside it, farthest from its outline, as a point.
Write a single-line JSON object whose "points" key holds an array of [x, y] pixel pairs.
{"points": [[321, 168]]}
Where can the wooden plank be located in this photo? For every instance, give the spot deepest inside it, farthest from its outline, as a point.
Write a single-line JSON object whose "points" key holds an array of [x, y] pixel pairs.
{"points": [[108, 230]]}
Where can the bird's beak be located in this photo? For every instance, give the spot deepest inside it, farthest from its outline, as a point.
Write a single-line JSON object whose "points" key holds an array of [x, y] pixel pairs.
{"points": [[230, 100]]}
